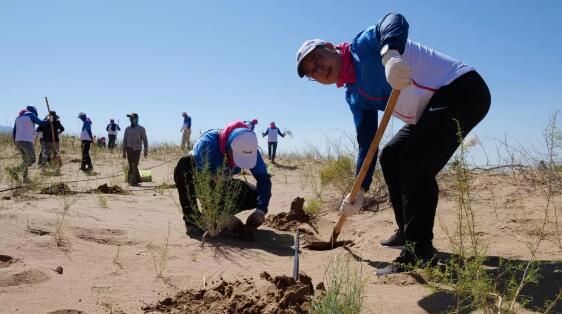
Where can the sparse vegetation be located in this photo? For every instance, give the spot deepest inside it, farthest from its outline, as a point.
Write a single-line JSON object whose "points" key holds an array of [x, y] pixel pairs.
{"points": [[160, 259], [467, 274], [101, 200], [217, 199], [66, 202], [117, 258], [313, 206], [345, 284], [338, 174]]}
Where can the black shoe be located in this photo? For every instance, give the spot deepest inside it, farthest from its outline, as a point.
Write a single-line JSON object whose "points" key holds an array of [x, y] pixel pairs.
{"points": [[420, 259], [194, 232], [395, 240]]}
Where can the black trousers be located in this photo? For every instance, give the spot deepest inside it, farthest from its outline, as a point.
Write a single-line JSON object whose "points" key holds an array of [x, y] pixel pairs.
{"points": [[86, 160], [112, 138], [133, 175], [271, 150], [413, 157], [185, 184]]}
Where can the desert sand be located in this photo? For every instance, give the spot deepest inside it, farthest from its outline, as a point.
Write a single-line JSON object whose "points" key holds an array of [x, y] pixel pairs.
{"points": [[109, 256]]}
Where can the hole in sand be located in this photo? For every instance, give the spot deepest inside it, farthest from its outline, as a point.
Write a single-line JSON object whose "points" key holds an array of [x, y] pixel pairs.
{"points": [[5, 261]]}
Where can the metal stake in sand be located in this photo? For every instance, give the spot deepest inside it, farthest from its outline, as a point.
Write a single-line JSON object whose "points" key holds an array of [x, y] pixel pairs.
{"points": [[296, 259], [362, 173]]}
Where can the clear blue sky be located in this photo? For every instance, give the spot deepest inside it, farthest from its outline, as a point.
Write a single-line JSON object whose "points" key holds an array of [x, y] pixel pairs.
{"points": [[223, 60]]}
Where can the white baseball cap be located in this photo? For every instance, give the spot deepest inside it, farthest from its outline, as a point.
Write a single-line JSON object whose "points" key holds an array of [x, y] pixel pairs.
{"points": [[245, 150], [305, 49]]}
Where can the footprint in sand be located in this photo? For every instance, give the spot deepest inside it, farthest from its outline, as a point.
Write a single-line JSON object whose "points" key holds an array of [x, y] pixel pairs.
{"points": [[66, 311], [38, 231], [6, 261], [29, 277], [103, 236]]}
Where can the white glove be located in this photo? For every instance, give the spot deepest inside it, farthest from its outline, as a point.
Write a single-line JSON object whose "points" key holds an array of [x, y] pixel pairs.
{"points": [[347, 208], [398, 73]]}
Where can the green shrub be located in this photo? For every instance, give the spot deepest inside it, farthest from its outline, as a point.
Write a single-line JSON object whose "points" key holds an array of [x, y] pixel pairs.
{"points": [[217, 194], [345, 285], [313, 206], [338, 174]]}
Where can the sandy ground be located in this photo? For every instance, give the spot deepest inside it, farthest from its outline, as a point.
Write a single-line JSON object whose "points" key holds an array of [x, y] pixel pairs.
{"points": [[110, 256]]}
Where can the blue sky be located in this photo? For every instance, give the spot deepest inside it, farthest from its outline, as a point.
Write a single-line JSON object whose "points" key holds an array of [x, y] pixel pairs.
{"points": [[225, 60]]}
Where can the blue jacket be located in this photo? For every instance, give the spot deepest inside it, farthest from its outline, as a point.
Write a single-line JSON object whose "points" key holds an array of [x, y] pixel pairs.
{"points": [[187, 122], [371, 91], [86, 129], [206, 150]]}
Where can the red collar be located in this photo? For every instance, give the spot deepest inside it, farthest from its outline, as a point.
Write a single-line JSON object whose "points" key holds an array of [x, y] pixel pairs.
{"points": [[347, 72]]}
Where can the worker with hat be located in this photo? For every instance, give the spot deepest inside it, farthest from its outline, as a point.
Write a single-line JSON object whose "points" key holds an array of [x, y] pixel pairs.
{"points": [[87, 138], [50, 137], [272, 133], [224, 152], [186, 131], [441, 99], [23, 135], [133, 141], [112, 131]]}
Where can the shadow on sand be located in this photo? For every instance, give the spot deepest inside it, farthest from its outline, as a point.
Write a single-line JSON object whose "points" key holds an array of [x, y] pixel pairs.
{"points": [[228, 246], [538, 294], [284, 167]]}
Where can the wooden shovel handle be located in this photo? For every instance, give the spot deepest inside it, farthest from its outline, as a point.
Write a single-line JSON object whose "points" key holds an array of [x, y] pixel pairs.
{"points": [[369, 158], [51, 122]]}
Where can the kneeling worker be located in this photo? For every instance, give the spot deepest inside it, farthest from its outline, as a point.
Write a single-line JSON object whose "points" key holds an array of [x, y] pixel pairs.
{"points": [[233, 148]]}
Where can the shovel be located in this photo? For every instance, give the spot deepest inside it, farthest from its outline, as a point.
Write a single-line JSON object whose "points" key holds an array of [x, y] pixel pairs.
{"points": [[321, 245], [58, 159]]}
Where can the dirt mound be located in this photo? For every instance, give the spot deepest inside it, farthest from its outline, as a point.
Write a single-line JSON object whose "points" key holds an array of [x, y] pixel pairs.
{"points": [[57, 189], [283, 295], [106, 189], [291, 220]]}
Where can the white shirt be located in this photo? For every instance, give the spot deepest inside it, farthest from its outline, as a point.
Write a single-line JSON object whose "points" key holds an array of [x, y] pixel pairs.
{"points": [[431, 70], [25, 129]]}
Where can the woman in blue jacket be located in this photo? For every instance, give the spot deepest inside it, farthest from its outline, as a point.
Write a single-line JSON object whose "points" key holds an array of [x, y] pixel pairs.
{"points": [[437, 92]]}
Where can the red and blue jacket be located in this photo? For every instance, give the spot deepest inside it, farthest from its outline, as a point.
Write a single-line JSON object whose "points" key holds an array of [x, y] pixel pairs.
{"points": [[370, 91], [207, 153]]}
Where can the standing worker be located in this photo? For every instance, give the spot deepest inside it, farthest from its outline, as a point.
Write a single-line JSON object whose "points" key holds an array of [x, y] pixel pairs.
{"points": [[437, 92], [112, 131], [225, 152], [50, 144], [186, 129], [23, 134], [133, 141], [272, 133], [86, 137]]}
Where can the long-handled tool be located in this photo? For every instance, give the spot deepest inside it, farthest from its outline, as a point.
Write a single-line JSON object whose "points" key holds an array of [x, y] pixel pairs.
{"points": [[57, 157], [362, 173]]}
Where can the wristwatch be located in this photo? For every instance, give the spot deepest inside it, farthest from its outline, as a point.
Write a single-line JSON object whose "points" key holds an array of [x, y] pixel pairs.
{"points": [[384, 50]]}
